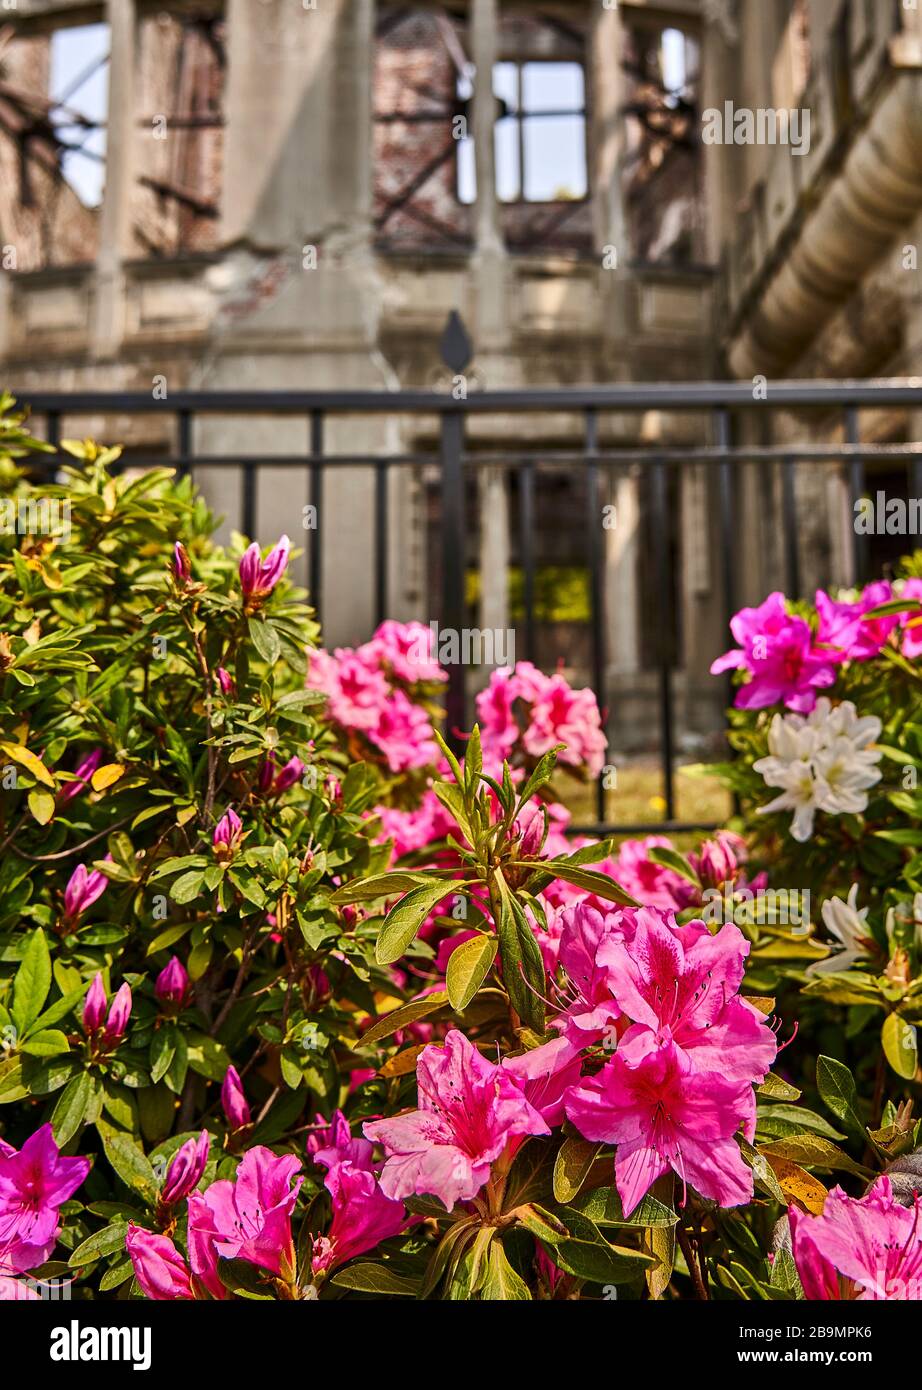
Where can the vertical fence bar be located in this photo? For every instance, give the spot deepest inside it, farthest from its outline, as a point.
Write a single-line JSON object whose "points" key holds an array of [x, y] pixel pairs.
{"points": [[596, 619], [915, 475], [855, 490], [248, 500], [184, 442], [664, 602], [453, 539], [727, 536], [527, 552], [789, 526], [316, 486], [381, 521]]}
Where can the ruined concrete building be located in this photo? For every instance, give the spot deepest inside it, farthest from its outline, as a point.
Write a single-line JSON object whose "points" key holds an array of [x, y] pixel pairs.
{"points": [[296, 193]]}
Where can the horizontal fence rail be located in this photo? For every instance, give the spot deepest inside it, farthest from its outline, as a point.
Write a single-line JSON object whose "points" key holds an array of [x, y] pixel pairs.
{"points": [[722, 403]]}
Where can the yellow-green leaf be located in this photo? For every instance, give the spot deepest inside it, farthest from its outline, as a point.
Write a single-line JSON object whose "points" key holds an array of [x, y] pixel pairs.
{"points": [[900, 1046]]}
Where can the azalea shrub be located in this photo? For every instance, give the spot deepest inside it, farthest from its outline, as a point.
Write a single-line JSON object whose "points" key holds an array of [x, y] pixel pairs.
{"points": [[302, 996]]}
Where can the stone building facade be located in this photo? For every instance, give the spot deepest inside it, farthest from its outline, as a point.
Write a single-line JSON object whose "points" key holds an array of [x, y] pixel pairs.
{"points": [[298, 192]]}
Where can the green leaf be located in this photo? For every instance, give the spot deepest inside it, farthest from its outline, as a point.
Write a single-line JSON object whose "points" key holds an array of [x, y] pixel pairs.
{"points": [[105, 1242], [48, 1042], [265, 639], [405, 919], [602, 1206], [542, 773], [468, 966], [367, 1277], [575, 1158], [207, 1056], [187, 886], [836, 1086], [71, 1107], [900, 1046], [585, 1253], [672, 859], [590, 881], [130, 1164], [402, 1017], [381, 886], [523, 964], [162, 1048], [32, 982], [815, 1152], [777, 1089], [502, 1284]]}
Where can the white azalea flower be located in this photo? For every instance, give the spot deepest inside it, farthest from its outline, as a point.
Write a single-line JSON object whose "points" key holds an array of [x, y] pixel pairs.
{"points": [[823, 761], [848, 924]]}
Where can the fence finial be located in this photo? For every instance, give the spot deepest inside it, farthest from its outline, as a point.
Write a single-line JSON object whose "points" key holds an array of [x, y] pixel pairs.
{"points": [[455, 344]]}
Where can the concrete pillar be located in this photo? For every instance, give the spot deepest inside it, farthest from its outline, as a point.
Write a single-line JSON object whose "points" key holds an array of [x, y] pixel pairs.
{"points": [[297, 201], [606, 151], [622, 552], [115, 216], [494, 548]]}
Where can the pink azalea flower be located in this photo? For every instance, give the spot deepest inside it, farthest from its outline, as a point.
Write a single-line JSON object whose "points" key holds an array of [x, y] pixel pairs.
{"points": [[181, 565], [233, 1100], [652, 884], [226, 682], [333, 1143], [571, 717], [663, 1114], [869, 1249], [406, 648], [679, 985], [360, 694], [911, 644], [119, 1014], [719, 859], [499, 729], [158, 1266], [83, 888], [94, 1009], [363, 1216], [404, 734], [545, 1075], [841, 625], [470, 1109], [202, 1239], [15, 1291], [82, 774], [591, 1009], [34, 1183], [258, 576], [94, 1005], [777, 650], [252, 1214]]}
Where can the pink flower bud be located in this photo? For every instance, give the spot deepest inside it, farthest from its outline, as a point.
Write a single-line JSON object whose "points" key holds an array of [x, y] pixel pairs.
{"points": [[94, 1006], [158, 1266], [233, 1100], [266, 775], [185, 1171], [171, 988], [290, 773], [119, 1014], [82, 774], [83, 888], [535, 833], [717, 863], [226, 681], [182, 567], [227, 834]]}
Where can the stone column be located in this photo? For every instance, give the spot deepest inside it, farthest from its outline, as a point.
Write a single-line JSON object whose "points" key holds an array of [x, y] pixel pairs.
{"points": [[115, 216]]}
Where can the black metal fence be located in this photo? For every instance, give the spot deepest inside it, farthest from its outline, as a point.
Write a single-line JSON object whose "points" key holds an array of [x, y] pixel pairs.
{"points": [[721, 403]]}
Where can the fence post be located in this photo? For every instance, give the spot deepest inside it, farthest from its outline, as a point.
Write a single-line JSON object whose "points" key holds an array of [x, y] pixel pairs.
{"points": [[456, 353]]}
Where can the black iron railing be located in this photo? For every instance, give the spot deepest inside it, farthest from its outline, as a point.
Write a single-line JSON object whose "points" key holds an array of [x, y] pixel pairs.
{"points": [[722, 403]]}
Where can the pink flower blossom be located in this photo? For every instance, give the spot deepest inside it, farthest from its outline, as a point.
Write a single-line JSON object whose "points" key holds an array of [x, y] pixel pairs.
{"points": [[842, 627], [679, 986], [403, 733], [571, 717], [34, 1183], [649, 883], [406, 650], [360, 692], [911, 644], [258, 576], [590, 1009], [545, 1075], [363, 1216], [83, 888], [252, 1214], [333, 1143], [664, 1114], [869, 1249], [158, 1266], [470, 1109], [778, 651], [499, 729]]}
